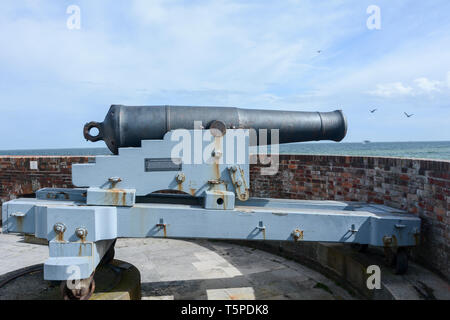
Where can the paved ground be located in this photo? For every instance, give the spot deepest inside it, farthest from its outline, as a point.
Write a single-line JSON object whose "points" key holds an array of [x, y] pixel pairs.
{"points": [[16, 254], [177, 269]]}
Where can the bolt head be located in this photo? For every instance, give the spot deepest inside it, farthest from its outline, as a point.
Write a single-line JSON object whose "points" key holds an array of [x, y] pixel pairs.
{"points": [[59, 228], [297, 234], [81, 232], [180, 177]]}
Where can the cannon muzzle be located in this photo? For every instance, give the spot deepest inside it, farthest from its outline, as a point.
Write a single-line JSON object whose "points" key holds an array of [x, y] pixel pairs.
{"points": [[126, 126]]}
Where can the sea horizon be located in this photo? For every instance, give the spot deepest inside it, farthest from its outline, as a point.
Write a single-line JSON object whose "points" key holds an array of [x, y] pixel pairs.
{"points": [[435, 150]]}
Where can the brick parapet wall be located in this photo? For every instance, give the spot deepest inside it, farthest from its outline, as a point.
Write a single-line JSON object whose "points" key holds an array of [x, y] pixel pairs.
{"points": [[421, 187], [18, 179]]}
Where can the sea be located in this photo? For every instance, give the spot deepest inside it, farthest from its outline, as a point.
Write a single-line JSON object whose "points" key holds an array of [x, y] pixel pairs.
{"points": [[423, 150]]}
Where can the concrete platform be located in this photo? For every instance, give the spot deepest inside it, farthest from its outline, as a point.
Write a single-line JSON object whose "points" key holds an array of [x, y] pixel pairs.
{"points": [[177, 269], [349, 268]]}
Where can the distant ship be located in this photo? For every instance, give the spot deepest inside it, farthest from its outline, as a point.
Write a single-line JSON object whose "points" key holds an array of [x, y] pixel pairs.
{"points": [[366, 141]]}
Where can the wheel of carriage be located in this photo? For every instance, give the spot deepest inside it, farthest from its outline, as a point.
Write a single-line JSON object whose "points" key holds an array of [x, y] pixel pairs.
{"points": [[401, 261], [359, 247], [398, 260], [83, 290]]}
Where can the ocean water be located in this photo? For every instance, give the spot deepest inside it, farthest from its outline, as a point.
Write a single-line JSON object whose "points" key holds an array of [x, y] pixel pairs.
{"points": [[423, 150]]}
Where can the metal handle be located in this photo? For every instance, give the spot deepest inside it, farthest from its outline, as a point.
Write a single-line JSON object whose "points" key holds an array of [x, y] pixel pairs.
{"points": [[87, 128]]}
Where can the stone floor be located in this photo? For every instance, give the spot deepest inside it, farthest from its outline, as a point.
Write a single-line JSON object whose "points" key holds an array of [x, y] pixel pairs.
{"points": [[198, 269], [177, 269]]}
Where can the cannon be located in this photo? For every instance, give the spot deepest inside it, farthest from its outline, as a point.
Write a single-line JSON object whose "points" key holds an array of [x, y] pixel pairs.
{"points": [[127, 126], [183, 172]]}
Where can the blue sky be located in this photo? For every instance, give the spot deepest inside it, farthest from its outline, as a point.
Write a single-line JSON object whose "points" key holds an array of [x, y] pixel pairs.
{"points": [[249, 54]]}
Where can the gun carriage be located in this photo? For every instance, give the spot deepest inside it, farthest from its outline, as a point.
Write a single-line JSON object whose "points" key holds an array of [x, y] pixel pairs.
{"points": [[202, 154]]}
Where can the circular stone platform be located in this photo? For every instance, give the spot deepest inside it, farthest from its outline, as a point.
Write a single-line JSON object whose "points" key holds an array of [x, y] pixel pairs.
{"points": [[178, 269], [117, 281], [202, 269]]}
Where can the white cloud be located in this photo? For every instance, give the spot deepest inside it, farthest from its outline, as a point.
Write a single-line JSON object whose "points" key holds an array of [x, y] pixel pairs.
{"points": [[150, 11], [216, 45], [392, 89], [427, 85], [423, 85]]}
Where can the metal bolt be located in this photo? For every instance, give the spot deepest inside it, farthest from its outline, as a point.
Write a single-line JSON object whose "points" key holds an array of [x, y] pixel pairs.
{"points": [[261, 226], [387, 240], [297, 234], [216, 153], [163, 226], [353, 229], [180, 177], [81, 232], [218, 128], [59, 228], [243, 196]]}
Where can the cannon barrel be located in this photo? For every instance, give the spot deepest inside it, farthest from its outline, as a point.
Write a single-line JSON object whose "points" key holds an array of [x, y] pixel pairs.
{"points": [[127, 126]]}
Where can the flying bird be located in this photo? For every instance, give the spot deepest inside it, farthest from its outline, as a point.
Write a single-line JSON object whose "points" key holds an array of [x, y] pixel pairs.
{"points": [[372, 111], [408, 115], [319, 51]]}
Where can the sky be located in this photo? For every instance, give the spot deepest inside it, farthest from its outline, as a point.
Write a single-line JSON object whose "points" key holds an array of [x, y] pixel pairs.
{"points": [[281, 55]]}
